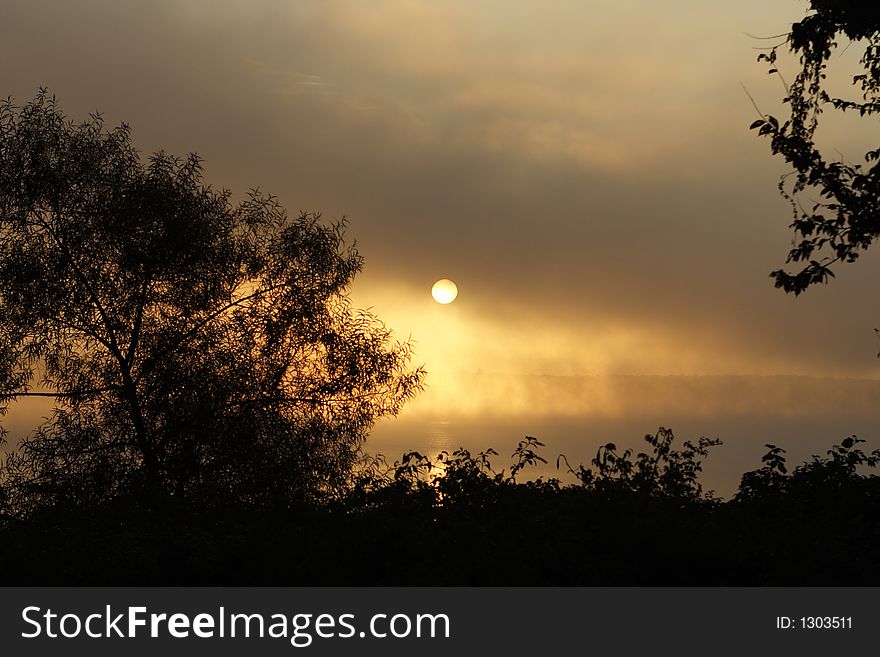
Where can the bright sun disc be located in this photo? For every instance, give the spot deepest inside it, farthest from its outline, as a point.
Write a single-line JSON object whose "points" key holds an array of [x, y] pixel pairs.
{"points": [[444, 291]]}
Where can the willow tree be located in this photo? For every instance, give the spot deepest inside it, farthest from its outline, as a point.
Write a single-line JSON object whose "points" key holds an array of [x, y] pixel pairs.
{"points": [[193, 347], [844, 220]]}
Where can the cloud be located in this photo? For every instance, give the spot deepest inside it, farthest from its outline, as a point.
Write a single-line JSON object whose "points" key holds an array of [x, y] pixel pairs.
{"points": [[584, 171], [485, 395]]}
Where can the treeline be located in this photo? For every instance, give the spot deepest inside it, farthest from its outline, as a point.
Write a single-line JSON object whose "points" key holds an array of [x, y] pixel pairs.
{"points": [[629, 519]]}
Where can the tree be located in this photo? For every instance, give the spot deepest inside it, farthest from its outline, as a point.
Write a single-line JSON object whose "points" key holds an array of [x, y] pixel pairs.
{"points": [[193, 348], [846, 219]]}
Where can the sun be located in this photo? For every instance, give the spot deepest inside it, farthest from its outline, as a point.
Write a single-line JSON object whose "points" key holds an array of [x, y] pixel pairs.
{"points": [[444, 291]]}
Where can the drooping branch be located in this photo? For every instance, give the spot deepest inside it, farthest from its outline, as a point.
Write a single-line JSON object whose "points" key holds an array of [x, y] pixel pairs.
{"points": [[846, 220]]}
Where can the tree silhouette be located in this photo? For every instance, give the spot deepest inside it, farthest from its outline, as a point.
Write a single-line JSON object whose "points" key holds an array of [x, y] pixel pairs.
{"points": [[846, 219], [193, 347]]}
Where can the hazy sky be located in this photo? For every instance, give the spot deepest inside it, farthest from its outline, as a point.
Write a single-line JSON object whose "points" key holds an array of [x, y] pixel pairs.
{"points": [[583, 170]]}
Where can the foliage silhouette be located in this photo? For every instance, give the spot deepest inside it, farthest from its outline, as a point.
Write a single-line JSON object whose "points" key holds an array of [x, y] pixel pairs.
{"points": [[664, 472], [195, 349], [846, 220], [457, 520], [819, 476]]}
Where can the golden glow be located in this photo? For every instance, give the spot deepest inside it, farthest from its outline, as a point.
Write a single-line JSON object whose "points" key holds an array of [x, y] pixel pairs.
{"points": [[444, 291], [485, 359]]}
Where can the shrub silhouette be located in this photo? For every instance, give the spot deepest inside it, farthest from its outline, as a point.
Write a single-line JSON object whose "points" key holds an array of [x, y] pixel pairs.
{"points": [[457, 520], [817, 479], [664, 472]]}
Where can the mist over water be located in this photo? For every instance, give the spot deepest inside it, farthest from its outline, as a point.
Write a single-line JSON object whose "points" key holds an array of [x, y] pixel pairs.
{"points": [[575, 415], [803, 415]]}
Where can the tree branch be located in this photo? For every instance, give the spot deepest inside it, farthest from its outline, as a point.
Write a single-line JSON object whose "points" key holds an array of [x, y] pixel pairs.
{"points": [[199, 325], [73, 393], [138, 321]]}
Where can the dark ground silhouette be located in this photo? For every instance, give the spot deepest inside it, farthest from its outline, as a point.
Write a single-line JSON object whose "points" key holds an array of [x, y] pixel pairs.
{"points": [[629, 520]]}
